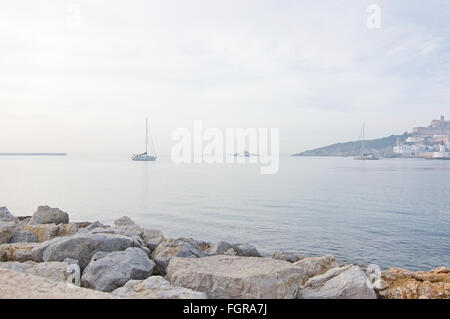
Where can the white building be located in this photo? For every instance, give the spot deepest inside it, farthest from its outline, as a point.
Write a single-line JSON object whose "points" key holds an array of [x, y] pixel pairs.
{"points": [[442, 152], [409, 150]]}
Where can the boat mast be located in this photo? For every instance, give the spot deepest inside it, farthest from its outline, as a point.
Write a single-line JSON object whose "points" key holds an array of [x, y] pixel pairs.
{"points": [[146, 135], [362, 154], [153, 144]]}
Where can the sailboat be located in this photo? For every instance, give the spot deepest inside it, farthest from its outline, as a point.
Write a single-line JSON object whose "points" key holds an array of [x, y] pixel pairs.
{"points": [[145, 156], [365, 156]]}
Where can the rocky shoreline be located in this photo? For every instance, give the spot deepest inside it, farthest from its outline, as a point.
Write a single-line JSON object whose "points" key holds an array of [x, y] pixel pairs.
{"points": [[47, 256]]}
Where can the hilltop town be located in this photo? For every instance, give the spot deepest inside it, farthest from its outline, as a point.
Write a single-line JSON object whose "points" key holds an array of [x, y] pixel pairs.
{"points": [[426, 141], [432, 142]]}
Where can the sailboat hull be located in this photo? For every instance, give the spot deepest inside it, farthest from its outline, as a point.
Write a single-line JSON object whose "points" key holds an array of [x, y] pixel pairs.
{"points": [[143, 158], [366, 158]]}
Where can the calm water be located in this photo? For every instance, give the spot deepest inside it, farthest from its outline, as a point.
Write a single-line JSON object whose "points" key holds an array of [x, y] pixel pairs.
{"points": [[391, 212]]}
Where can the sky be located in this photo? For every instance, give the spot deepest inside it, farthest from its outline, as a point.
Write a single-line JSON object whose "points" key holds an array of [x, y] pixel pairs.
{"points": [[81, 76]]}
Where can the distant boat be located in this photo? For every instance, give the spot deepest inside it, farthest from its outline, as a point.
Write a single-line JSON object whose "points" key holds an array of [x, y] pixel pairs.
{"points": [[245, 154], [365, 156], [144, 156]]}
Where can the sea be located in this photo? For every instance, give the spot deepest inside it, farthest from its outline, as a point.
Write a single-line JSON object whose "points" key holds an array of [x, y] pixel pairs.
{"points": [[391, 212]]}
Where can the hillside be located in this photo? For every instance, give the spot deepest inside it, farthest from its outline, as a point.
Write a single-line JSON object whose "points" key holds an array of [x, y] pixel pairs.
{"points": [[381, 146]]}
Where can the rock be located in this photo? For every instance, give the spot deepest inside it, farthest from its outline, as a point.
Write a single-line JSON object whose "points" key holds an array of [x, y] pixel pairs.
{"points": [[219, 248], [73, 272], [169, 248], [42, 232], [156, 287], [37, 252], [290, 257], [405, 284], [346, 282], [374, 274], [17, 252], [67, 229], [314, 266], [230, 252], [223, 276], [23, 236], [109, 271], [16, 285], [7, 230], [246, 250], [56, 271], [123, 221], [83, 245], [48, 215], [150, 237], [6, 216]]}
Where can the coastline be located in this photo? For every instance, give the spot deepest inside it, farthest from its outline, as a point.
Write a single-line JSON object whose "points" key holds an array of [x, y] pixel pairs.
{"points": [[128, 261]]}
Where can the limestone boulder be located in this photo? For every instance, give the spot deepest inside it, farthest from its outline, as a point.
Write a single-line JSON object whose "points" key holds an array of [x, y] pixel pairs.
{"points": [[181, 247], [405, 284], [287, 256], [48, 215], [7, 230], [17, 285], [42, 232], [83, 245], [226, 277], [156, 287], [56, 271], [346, 282], [23, 236], [150, 237], [17, 252], [5, 215], [314, 266], [246, 250], [219, 248], [109, 271]]}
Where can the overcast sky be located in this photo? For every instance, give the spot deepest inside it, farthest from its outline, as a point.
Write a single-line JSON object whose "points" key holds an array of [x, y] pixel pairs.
{"points": [[84, 83]]}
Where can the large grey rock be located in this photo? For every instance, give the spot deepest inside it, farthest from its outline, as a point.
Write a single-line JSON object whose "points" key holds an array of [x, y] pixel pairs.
{"points": [[346, 282], [150, 237], [5, 215], [286, 256], [23, 236], [17, 252], [48, 215], [246, 250], [37, 252], [56, 271], [169, 248], [156, 287], [42, 232], [7, 230], [314, 266], [219, 248], [83, 245], [223, 276], [109, 271], [16, 285]]}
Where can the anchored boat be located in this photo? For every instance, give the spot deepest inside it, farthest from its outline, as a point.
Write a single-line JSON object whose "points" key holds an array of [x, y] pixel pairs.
{"points": [[144, 156], [365, 156]]}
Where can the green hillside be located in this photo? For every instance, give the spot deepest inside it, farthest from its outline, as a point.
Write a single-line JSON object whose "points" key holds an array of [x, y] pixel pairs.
{"points": [[381, 146]]}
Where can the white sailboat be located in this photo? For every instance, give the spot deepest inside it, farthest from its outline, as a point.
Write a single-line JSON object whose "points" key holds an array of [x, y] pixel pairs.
{"points": [[145, 156], [365, 156]]}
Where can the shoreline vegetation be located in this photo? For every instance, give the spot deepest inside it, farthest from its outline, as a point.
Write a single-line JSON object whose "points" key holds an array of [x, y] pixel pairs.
{"points": [[381, 146], [47, 256]]}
